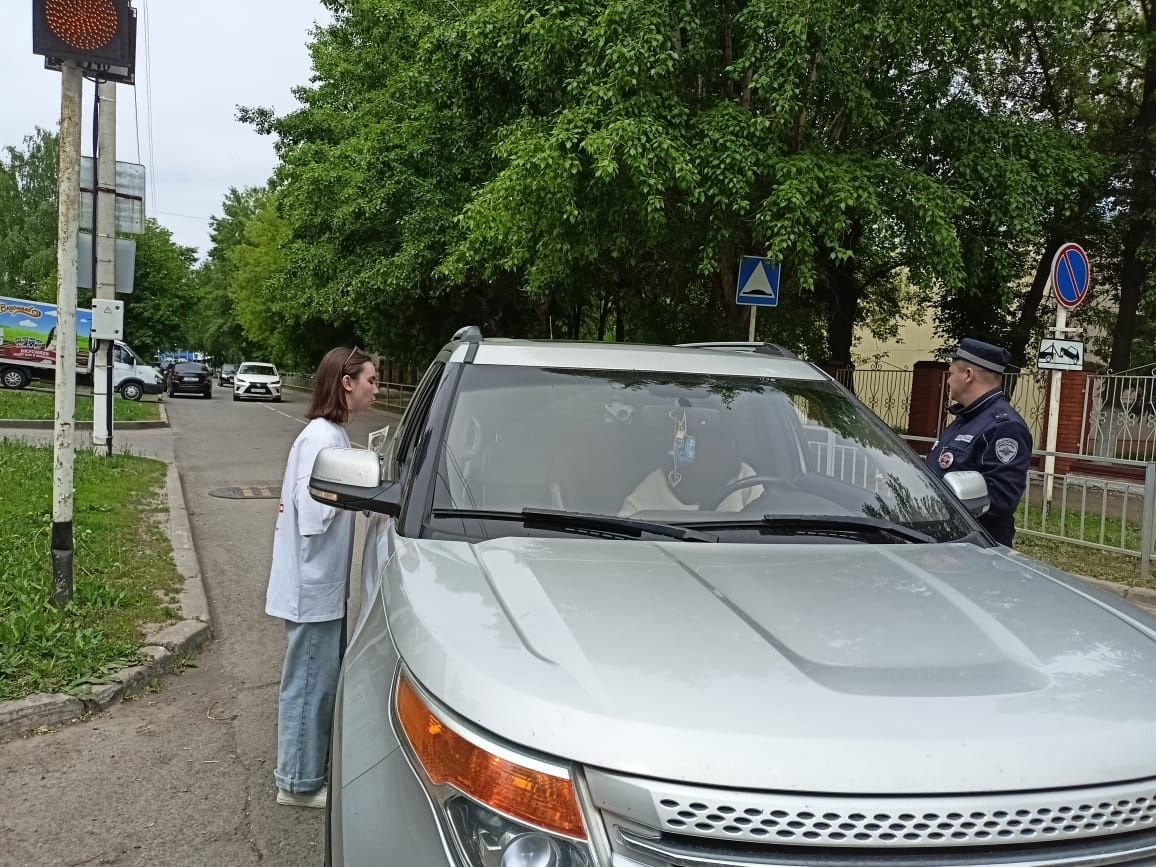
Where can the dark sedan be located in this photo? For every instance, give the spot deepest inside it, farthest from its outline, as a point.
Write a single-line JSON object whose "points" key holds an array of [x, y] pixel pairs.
{"points": [[190, 377], [226, 375]]}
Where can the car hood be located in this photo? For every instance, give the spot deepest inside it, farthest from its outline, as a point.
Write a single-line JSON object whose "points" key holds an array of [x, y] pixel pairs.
{"points": [[256, 377], [821, 668]]}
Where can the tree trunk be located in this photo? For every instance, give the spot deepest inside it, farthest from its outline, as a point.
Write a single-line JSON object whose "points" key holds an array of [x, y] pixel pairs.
{"points": [[1022, 333], [603, 313], [842, 315], [725, 283], [1030, 311], [619, 316], [1133, 270]]}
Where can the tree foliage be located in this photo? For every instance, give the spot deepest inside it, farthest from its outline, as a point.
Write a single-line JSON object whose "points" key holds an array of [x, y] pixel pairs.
{"points": [[596, 168], [28, 215], [158, 314]]}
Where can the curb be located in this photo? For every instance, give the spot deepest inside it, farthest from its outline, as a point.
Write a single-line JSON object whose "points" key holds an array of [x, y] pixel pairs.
{"points": [[29, 424], [162, 650], [1143, 595]]}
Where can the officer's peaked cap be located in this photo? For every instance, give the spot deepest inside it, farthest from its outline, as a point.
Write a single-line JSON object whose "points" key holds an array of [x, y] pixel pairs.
{"points": [[985, 355]]}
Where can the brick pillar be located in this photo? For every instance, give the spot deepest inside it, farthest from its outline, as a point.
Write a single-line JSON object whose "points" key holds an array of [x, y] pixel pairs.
{"points": [[928, 394], [1072, 402]]}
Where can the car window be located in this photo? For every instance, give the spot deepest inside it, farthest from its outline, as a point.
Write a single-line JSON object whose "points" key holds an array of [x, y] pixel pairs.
{"points": [[660, 446], [191, 368], [415, 414], [258, 369]]}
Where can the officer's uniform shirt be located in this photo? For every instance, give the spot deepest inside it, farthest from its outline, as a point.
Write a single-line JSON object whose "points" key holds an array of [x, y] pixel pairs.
{"points": [[991, 437]]}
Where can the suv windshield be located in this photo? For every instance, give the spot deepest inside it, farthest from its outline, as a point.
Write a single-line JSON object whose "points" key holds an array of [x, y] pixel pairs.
{"points": [[679, 448], [258, 369]]}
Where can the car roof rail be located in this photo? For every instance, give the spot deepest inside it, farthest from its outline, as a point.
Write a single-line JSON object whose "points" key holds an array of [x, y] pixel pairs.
{"points": [[468, 334], [744, 346]]}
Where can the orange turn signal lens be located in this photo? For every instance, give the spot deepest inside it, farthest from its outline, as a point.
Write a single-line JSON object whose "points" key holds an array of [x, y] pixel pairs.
{"points": [[537, 798]]}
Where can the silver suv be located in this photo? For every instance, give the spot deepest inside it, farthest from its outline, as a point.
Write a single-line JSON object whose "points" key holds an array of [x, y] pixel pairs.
{"points": [[689, 606]]}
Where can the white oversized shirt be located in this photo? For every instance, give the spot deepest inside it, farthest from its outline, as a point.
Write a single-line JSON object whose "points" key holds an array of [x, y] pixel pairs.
{"points": [[313, 543]]}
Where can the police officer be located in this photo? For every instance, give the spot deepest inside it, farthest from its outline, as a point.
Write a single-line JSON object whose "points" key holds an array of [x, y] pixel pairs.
{"points": [[987, 435]]}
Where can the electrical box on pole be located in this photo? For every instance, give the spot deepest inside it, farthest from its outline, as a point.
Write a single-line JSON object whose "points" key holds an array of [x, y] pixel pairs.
{"points": [[98, 35], [108, 319]]}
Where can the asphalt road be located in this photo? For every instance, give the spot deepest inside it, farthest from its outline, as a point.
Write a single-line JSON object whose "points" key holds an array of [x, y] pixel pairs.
{"points": [[184, 776]]}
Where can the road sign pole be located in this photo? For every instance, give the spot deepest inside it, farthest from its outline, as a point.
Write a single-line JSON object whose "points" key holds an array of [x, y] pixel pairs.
{"points": [[104, 256], [754, 312], [1054, 408], [64, 424]]}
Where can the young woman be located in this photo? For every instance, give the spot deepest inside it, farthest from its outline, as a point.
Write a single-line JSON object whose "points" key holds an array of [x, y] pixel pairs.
{"points": [[308, 584]]}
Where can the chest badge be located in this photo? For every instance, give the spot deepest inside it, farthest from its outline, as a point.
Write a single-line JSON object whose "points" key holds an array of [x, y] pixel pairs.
{"points": [[1006, 449], [946, 459]]}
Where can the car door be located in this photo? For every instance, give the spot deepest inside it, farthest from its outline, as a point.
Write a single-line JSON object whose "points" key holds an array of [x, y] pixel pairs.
{"points": [[397, 462]]}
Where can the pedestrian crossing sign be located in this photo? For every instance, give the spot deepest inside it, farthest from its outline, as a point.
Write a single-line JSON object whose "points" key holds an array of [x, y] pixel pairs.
{"points": [[758, 282]]}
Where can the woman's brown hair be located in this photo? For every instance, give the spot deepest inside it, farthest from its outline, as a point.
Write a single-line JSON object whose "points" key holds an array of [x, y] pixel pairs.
{"points": [[328, 399]]}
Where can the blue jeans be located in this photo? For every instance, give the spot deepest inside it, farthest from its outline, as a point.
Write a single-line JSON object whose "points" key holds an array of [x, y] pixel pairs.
{"points": [[305, 705]]}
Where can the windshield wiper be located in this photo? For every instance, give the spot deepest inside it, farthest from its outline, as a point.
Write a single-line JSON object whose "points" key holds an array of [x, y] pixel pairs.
{"points": [[833, 524], [629, 528]]}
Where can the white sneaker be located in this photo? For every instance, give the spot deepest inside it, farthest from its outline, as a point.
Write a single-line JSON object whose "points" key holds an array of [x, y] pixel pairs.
{"points": [[303, 799]]}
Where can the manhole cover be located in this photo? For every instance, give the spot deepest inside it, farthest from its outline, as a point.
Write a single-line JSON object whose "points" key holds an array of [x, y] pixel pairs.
{"points": [[248, 492]]}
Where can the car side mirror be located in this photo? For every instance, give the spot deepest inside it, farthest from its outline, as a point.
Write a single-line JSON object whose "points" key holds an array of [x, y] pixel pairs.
{"points": [[970, 488], [351, 479]]}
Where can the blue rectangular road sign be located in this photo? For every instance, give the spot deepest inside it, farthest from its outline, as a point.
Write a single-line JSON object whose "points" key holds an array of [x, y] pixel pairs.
{"points": [[758, 282]]}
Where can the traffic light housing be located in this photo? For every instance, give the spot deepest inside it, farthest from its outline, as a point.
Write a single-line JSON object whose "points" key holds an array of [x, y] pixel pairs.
{"points": [[99, 35]]}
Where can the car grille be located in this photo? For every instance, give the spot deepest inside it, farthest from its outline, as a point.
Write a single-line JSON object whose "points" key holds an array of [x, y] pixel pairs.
{"points": [[255, 388], [666, 823]]}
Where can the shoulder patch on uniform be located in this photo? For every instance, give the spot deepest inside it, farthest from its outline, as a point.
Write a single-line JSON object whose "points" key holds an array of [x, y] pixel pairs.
{"points": [[946, 459], [1006, 449], [1000, 415], [965, 438]]}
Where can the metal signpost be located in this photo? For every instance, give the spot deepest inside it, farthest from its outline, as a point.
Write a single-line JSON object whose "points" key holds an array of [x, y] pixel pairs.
{"points": [[758, 286], [1071, 278]]}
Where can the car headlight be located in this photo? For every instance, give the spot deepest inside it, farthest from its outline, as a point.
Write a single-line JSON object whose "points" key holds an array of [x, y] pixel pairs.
{"points": [[500, 812]]}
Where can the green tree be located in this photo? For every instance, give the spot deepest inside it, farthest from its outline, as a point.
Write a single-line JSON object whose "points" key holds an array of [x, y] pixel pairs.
{"points": [[28, 216], [158, 313], [216, 327]]}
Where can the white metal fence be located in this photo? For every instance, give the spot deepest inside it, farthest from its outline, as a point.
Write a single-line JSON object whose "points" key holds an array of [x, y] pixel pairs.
{"points": [[1120, 418]]}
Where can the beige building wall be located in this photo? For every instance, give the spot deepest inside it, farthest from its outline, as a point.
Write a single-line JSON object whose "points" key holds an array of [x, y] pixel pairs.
{"points": [[916, 341]]}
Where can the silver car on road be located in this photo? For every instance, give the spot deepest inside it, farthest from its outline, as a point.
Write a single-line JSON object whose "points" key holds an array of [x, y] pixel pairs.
{"points": [[661, 606]]}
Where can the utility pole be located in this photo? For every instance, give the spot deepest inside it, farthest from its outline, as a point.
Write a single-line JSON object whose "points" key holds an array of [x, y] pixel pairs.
{"points": [[64, 425], [104, 253], [74, 36]]}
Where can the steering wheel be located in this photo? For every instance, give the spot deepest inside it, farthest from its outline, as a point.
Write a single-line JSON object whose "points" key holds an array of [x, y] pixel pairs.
{"points": [[747, 482]]}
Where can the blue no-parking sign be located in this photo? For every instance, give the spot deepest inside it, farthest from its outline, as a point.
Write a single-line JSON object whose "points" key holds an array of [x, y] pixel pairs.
{"points": [[758, 282], [1071, 275]]}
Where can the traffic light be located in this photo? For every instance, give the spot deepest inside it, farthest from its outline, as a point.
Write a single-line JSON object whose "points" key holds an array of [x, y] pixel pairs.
{"points": [[100, 35]]}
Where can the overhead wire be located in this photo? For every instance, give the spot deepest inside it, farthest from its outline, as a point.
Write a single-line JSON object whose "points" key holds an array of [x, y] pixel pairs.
{"points": [[152, 174]]}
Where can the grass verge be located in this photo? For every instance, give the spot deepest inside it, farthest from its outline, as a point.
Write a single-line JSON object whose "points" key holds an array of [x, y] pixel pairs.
{"points": [[37, 406], [124, 575], [1079, 559]]}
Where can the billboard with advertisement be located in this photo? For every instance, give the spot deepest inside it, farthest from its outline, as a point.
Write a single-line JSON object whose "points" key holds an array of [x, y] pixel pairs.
{"points": [[28, 333]]}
